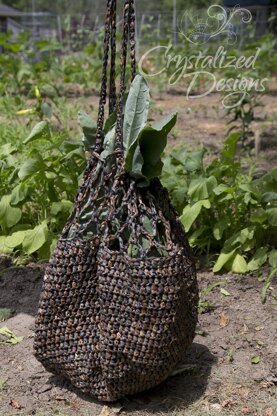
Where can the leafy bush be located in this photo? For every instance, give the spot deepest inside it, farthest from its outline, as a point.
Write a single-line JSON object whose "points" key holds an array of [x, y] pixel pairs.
{"points": [[224, 208], [39, 179]]}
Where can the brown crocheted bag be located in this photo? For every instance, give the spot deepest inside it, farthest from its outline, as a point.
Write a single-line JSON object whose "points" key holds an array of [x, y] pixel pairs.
{"points": [[119, 301]]}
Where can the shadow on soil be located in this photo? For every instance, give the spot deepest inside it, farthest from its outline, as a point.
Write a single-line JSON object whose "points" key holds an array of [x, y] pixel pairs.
{"points": [[177, 392], [19, 290]]}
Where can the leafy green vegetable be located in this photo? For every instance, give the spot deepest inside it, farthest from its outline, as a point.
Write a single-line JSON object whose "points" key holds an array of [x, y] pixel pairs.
{"points": [[143, 145], [136, 112]]}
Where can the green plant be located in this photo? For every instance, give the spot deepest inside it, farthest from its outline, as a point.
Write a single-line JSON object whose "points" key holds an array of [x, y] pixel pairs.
{"points": [[223, 209], [39, 179]]}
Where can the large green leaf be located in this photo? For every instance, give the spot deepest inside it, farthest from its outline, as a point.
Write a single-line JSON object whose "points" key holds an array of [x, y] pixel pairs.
{"points": [[19, 193], [191, 213], [239, 239], [144, 157], [191, 161], [31, 166], [89, 127], [239, 264], [152, 142], [222, 260], [272, 216], [16, 239], [273, 259], [136, 113], [9, 216], [258, 259], [3, 248], [40, 131], [202, 188], [36, 238]]}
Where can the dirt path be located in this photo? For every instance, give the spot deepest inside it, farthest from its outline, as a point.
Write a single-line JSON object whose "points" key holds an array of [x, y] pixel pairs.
{"points": [[217, 376]]}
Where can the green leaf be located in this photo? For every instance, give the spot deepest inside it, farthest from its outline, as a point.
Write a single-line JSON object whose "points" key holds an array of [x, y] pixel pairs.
{"points": [[9, 216], [268, 197], [89, 128], [110, 122], [273, 273], [46, 110], [19, 193], [239, 264], [3, 248], [8, 337], [259, 216], [239, 239], [63, 206], [272, 216], [191, 161], [6, 314], [230, 146], [36, 238], [108, 145], [136, 113], [7, 149], [256, 359], [258, 259], [202, 188], [152, 142], [40, 131], [273, 259], [144, 157], [223, 189], [222, 260], [219, 229], [30, 167], [191, 213], [16, 239], [193, 238], [147, 225]]}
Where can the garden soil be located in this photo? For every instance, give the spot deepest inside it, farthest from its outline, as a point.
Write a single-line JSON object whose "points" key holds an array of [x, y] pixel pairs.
{"points": [[216, 377]]}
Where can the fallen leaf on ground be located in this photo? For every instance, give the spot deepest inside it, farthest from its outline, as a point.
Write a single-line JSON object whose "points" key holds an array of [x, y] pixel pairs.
{"points": [[8, 337], [245, 410], [259, 328], [105, 411], [15, 405], [223, 319], [224, 292], [256, 359], [245, 329], [269, 412]]}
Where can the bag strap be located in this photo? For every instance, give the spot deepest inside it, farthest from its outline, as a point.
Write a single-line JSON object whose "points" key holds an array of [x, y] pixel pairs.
{"points": [[109, 40], [129, 36]]}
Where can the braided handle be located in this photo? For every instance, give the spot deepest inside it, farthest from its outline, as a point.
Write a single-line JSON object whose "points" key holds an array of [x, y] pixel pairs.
{"points": [[109, 40], [129, 30]]}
